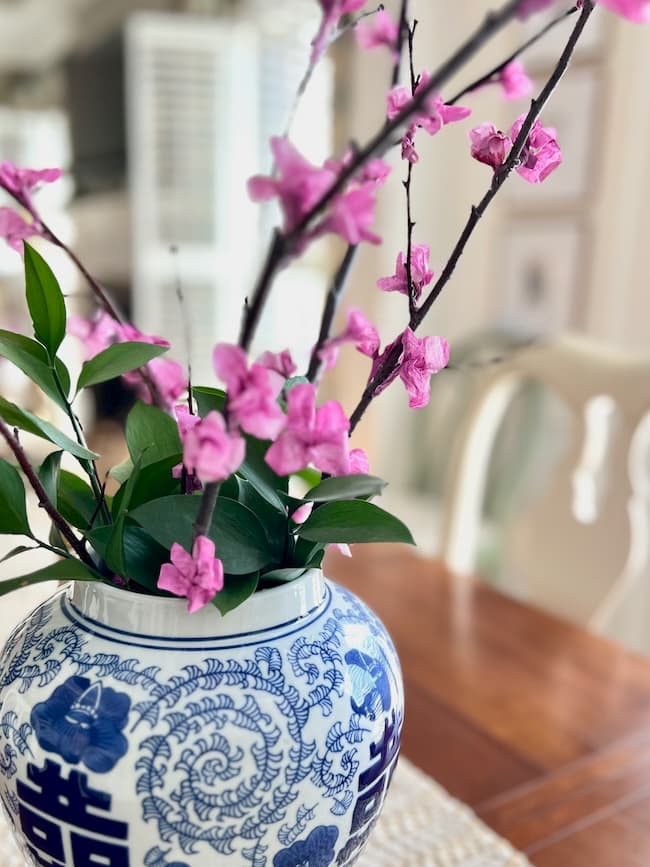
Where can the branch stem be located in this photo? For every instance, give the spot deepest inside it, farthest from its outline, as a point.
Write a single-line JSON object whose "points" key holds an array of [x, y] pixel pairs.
{"points": [[391, 361]]}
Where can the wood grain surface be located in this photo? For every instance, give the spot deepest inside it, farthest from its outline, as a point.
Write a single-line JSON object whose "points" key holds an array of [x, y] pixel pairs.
{"points": [[540, 726]]}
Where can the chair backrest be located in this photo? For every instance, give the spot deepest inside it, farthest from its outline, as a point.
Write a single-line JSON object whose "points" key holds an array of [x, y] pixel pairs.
{"points": [[583, 541]]}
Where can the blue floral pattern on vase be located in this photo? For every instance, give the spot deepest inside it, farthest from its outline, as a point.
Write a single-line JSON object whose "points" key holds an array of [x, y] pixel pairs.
{"points": [[273, 749], [82, 722], [316, 851]]}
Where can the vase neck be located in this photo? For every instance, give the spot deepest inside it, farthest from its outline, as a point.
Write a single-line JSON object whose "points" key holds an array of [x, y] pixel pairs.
{"points": [[160, 617]]}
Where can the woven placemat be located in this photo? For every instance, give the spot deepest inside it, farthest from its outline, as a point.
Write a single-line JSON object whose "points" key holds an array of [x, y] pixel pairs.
{"points": [[421, 826]]}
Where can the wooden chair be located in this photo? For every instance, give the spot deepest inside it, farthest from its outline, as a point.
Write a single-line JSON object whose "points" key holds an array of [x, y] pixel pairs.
{"points": [[581, 545]]}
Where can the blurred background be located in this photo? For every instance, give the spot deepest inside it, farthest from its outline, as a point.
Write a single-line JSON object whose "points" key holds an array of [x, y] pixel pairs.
{"points": [[159, 111]]}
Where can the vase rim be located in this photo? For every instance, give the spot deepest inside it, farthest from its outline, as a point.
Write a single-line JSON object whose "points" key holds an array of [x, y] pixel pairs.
{"points": [[117, 610]]}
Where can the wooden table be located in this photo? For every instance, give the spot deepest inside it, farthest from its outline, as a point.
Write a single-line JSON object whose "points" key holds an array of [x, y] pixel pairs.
{"points": [[540, 726]]}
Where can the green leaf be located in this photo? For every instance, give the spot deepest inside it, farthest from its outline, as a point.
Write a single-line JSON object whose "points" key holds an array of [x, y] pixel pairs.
{"points": [[49, 473], [151, 434], [13, 509], [31, 423], [354, 521], [117, 359], [31, 357], [236, 589], [143, 557], [284, 576], [45, 301], [239, 537], [260, 474], [115, 548], [152, 483], [75, 500], [310, 476], [274, 521], [208, 399], [346, 488], [20, 549], [63, 570], [309, 554], [121, 472]]}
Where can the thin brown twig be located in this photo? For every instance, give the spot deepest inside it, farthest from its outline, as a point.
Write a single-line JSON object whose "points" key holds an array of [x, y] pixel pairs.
{"points": [[284, 244], [391, 361]]}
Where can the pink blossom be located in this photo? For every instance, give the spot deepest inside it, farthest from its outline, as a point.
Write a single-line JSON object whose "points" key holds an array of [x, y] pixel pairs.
{"points": [[352, 215], [210, 451], [432, 116], [15, 230], [342, 548], [312, 436], [198, 576], [380, 31], [185, 420], [421, 275], [359, 461], [514, 81], [489, 145], [302, 513], [280, 362], [333, 10], [420, 360], [298, 185], [252, 394], [633, 10], [359, 331], [21, 182], [528, 7], [541, 154], [375, 171], [96, 334]]}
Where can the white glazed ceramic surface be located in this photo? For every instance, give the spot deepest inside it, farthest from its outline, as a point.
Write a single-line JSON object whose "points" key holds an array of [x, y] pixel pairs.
{"points": [[134, 734]]}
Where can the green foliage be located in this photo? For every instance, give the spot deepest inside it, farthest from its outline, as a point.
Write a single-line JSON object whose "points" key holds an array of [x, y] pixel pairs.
{"points": [[49, 473], [75, 500], [27, 421], [142, 555], [209, 399], [151, 434], [117, 359], [236, 589], [31, 357], [63, 570], [239, 536], [151, 483], [353, 521], [346, 488], [13, 510], [45, 301]]}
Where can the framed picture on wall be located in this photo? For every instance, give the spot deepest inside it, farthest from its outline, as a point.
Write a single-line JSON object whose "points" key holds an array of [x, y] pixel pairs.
{"points": [[542, 275]]}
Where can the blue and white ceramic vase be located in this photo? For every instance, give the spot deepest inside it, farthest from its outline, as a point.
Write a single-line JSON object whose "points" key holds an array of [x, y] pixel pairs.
{"points": [[132, 733]]}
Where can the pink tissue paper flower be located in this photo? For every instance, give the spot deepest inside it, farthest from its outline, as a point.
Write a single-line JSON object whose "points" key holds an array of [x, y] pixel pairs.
{"points": [[515, 81], [210, 451], [359, 331], [489, 145], [380, 31], [15, 230], [352, 215], [22, 182], [302, 513], [333, 10], [433, 115], [197, 576], [421, 275], [633, 10], [421, 359], [280, 362], [541, 154], [252, 393], [298, 184], [359, 462], [312, 436]]}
